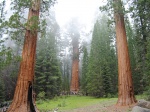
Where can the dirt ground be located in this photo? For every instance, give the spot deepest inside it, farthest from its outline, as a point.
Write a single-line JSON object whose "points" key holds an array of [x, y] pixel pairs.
{"points": [[102, 108]]}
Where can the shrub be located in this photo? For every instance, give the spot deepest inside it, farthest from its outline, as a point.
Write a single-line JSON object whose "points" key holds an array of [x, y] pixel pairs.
{"points": [[39, 101], [147, 94], [41, 95], [63, 104], [109, 95]]}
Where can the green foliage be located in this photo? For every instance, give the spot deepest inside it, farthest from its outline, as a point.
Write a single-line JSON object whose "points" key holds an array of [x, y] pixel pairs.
{"points": [[109, 95], [5, 56], [47, 69], [140, 15], [2, 17], [62, 104], [17, 24], [84, 71], [14, 26], [41, 95], [138, 39], [132, 46], [147, 73], [2, 92], [101, 75], [111, 7], [48, 77], [8, 72], [65, 77], [147, 94], [99, 70]]}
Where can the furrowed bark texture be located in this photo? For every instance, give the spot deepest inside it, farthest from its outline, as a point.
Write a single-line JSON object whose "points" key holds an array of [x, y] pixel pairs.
{"points": [[125, 86], [22, 101], [74, 88]]}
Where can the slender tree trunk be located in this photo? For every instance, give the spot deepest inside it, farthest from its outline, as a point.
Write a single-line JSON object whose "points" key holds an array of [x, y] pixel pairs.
{"points": [[23, 101], [125, 86], [74, 88]]}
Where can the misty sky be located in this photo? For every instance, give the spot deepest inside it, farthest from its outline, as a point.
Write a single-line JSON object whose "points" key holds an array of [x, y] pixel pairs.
{"points": [[85, 10]]}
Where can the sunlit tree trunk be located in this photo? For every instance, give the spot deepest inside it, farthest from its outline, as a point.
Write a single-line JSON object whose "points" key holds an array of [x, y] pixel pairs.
{"points": [[125, 86], [23, 101], [74, 88]]}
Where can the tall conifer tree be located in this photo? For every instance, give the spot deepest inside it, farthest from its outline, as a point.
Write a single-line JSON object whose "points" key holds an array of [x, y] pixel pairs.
{"points": [[125, 86], [84, 71], [100, 76]]}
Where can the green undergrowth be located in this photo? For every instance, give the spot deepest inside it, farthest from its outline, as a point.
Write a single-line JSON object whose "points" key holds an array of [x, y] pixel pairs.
{"points": [[71, 102]]}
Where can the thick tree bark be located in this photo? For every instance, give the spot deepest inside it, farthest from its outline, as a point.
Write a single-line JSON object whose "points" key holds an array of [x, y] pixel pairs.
{"points": [[22, 101], [74, 88], [125, 86]]}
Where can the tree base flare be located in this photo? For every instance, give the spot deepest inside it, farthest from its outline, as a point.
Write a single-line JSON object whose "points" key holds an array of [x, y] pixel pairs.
{"points": [[23, 101], [126, 102]]}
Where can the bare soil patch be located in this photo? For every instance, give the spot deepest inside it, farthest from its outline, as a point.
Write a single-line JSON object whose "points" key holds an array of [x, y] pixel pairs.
{"points": [[102, 107]]}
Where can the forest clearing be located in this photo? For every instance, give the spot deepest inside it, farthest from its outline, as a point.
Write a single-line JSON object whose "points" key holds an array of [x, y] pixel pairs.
{"points": [[74, 55], [83, 104]]}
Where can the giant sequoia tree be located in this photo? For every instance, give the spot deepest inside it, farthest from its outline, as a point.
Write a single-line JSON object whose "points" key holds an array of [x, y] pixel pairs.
{"points": [[75, 64], [74, 34], [22, 101], [126, 90]]}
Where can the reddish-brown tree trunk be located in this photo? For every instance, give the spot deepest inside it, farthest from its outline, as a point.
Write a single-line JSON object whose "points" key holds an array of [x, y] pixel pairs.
{"points": [[74, 88], [22, 101], [125, 86]]}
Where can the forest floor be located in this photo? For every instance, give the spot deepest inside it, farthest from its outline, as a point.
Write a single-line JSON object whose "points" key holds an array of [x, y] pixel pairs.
{"points": [[102, 107], [82, 104]]}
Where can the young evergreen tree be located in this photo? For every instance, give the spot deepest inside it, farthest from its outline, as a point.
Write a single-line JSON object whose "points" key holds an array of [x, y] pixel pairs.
{"points": [[47, 69], [94, 79], [140, 14], [99, 77], [48, 76], [84, 71], [66, 76], [132, 46]]}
